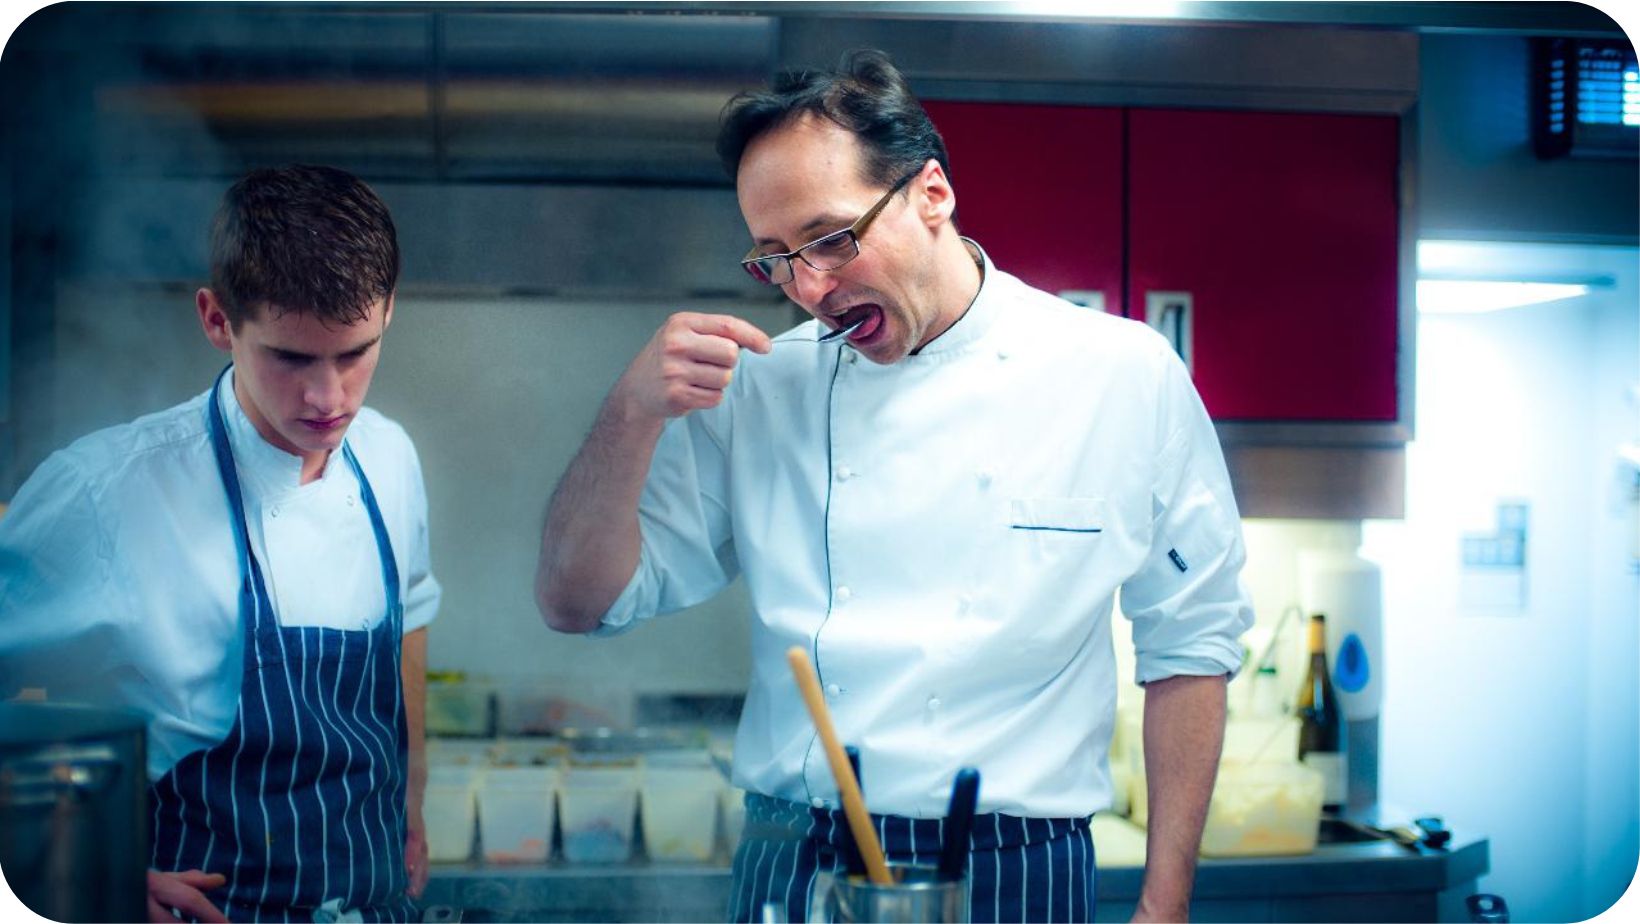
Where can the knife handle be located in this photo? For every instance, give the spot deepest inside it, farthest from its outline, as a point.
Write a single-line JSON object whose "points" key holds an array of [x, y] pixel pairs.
{"points": [[959, 822]]}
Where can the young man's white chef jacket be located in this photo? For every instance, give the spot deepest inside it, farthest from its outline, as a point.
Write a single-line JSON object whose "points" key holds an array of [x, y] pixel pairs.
{"points": [[119, 582], [945, 536]]}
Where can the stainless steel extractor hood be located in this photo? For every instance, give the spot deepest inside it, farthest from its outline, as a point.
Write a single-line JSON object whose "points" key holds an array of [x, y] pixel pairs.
{"points": [[444, 95]]}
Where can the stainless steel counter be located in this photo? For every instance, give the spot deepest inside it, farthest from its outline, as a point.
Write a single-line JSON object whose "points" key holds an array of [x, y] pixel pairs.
{"points": [[1378, 881], [637, 891]]}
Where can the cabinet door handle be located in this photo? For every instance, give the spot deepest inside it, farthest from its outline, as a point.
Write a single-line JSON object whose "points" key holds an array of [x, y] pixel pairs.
{"points": [[1172, 314]]}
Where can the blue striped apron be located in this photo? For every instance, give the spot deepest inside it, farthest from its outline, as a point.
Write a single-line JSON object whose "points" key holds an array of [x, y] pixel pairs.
{"points": [[302, 804], [1019, 869]]}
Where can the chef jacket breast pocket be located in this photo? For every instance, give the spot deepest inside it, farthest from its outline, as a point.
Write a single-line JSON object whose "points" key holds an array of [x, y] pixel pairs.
{"points": [[1056, 526]]}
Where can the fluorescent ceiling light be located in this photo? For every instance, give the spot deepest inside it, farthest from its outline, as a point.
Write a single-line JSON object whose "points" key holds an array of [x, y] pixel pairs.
{"points": [[1473, 296], [1103, 9]]}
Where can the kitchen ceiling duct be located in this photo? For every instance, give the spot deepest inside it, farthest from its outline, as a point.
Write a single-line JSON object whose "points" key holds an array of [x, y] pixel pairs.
{"points": [[441, 95]]}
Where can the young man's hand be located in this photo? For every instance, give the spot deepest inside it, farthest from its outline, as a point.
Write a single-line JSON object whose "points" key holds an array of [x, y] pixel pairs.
{"points": [[184, 892], [415, 853]]}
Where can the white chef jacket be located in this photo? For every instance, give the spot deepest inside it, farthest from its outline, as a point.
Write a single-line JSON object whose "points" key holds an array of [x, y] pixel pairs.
{"points": [[119, 583], [945, 536]]}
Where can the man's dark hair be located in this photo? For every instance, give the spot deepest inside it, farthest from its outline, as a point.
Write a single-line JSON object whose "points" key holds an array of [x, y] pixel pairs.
{"points": [[303, 238], [865, 95]]}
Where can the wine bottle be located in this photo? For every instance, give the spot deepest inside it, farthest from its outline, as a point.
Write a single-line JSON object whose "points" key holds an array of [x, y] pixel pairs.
{"points": [[1321, 728]]}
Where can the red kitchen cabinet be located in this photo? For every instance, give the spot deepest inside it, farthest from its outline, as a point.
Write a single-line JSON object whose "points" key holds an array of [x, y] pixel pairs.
{"points": [[1040, 188], [1282, 229]]}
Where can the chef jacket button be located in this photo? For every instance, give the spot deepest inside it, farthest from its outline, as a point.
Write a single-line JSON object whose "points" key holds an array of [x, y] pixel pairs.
{"points": [[843, 593], [850, 356], [350, 500], [984, 475], [817, 802], [844, 473], [934, 703], [1002, 354], [273, 511], [964, 602], [833, 690]]}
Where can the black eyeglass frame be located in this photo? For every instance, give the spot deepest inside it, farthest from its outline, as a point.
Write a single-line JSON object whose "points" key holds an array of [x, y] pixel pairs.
{"points": [[853, 233]]}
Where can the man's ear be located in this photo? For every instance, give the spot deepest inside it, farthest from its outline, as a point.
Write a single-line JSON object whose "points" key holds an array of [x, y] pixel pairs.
{"points": [[938, 201], [213, 318], [387, 312]]}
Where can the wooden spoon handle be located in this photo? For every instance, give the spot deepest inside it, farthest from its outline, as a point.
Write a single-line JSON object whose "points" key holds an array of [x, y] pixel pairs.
{"points": [[854, 806]]}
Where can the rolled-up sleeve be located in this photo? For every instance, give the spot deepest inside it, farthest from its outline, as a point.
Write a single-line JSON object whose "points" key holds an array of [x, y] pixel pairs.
{"points": [[687, 553], [1186, 602]]}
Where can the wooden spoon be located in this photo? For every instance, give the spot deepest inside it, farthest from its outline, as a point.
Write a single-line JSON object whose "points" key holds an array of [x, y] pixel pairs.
{"points": [[854, 805]]}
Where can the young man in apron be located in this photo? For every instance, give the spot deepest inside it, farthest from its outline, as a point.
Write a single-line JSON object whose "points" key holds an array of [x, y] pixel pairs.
{"points": [[249, 569]]}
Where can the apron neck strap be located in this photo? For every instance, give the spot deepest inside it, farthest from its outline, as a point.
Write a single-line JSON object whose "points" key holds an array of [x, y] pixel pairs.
{"points": [[251, 586], [384, 542]]}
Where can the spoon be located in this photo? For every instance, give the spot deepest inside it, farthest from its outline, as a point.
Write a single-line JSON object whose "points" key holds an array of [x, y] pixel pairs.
{"points": [[843, 331], [854, 807]]}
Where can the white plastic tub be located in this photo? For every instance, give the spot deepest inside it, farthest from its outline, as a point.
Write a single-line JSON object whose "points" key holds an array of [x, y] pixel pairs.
{"points": [[449, 810], [516, 810], [527, 751], [459, 751], [734, 816], [598, 806], [679, 808], [1263, 809]]}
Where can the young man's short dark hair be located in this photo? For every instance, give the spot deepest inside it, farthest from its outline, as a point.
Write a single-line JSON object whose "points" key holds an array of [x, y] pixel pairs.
{"points": [[866, 95], [303, 238]]}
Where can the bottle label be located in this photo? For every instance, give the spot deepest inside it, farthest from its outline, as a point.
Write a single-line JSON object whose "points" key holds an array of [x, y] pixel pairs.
{"points": [[1334, 778]]}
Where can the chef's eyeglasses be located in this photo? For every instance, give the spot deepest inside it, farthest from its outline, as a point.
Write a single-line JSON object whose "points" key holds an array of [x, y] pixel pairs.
{"points": [[824, 254]]}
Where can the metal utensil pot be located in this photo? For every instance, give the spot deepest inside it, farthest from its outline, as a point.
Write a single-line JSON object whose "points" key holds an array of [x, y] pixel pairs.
{"points": [[917, 895], [74, 831]]}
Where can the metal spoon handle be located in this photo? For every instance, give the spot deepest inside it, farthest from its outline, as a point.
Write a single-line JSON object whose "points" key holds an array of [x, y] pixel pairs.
{"points": [[843, 331]]}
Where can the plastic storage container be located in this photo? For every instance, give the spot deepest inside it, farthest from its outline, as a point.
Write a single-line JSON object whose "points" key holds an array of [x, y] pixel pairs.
{"points": [[457, 705], [1246, 742], [1130, 723], [678, 803], [516, 810], [1121, 786], [450, 810], [598, 806], [734, 815], [457, 751], [527, 751], [1263, 809]]}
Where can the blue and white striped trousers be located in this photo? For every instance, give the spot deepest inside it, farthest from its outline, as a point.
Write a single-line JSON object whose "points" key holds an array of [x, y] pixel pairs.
{"points": [[1019, 869]]}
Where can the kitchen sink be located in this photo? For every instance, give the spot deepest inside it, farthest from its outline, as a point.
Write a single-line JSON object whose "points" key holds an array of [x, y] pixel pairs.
{"points": [[1339, 831], [1422, 835]]}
